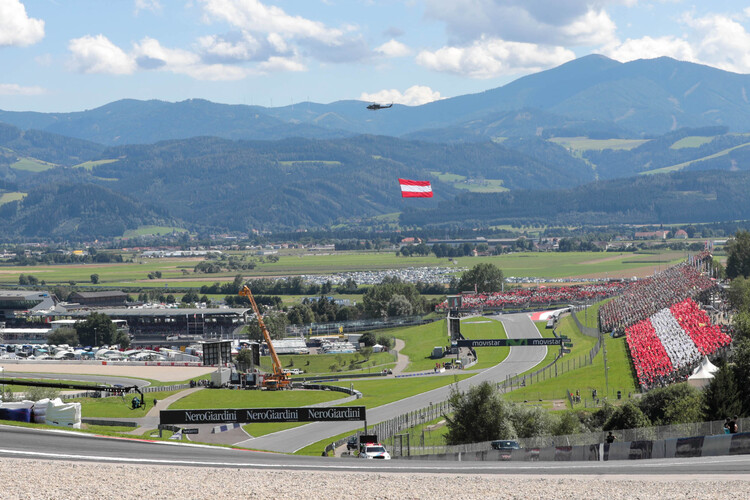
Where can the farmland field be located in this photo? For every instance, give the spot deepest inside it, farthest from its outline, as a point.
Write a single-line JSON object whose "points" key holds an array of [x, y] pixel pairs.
{"points": [[9, 197], [179, 271]]}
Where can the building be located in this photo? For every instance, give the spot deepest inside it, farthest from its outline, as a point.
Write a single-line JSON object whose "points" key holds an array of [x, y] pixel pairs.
{"points": [[651, 235], [113, 298], [155, 327], [17, 305]]}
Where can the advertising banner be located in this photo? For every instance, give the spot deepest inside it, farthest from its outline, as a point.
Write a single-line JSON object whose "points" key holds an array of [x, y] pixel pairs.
{"points": [[253, 415]]}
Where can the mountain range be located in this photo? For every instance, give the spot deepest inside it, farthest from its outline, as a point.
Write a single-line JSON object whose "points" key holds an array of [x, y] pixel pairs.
{"points": [[588, 129]]}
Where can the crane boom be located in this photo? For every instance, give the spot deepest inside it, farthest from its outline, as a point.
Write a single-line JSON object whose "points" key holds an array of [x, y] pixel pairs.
{"points": [[279, 379]]}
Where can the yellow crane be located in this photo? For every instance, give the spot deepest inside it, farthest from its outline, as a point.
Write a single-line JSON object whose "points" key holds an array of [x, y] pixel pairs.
{"points": [[279, 379]]}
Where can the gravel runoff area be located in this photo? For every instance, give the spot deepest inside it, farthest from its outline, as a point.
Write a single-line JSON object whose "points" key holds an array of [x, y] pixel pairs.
{"points": [[160, 373], [54, 480]]}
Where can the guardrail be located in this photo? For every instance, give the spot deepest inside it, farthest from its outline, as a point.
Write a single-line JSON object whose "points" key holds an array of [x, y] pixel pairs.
{"points": [[681, 447]]}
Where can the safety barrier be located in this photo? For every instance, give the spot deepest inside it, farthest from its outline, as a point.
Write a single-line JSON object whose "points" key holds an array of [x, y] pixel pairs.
{"points": [[684, 447], [224, 428]]}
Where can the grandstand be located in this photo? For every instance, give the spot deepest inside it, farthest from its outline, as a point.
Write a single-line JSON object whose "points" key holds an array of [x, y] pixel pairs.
{"points": [[532, 298], [666, 346], [646, 297]]}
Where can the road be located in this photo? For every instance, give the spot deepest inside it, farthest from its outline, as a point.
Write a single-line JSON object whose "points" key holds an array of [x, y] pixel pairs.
{"points": [[519, 360], [19, 442]]}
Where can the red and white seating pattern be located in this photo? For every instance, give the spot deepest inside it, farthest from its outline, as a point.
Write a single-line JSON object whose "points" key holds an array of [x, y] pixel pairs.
{"points": [[668, 344]]}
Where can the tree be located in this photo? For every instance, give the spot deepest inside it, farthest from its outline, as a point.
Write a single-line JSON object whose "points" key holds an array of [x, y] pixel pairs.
{"points": [[64, 335], [627, 416], [738, 255], [739, 293], [399, 306], [674, 404], [96, 329], [171, 299], [568, 423], [244, 359], [376, 298], [722, 397], [483, 277], [479, 414], [386, 341], [276, 323], [368, 339], [741, 358], [300, 314], [94, 279], [366, 352], [122, 339]]}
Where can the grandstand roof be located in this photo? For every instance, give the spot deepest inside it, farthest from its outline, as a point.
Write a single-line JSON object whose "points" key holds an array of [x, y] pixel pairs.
{"points": [[141, 312]]}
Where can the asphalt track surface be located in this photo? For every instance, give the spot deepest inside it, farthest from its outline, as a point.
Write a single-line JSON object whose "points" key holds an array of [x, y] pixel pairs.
{"points": [[98, 379], [519, 360], [29, 443], [18, 442]]}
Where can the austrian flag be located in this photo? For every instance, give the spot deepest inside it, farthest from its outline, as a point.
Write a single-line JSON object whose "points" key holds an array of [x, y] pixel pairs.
{"points": [[415, 189]]}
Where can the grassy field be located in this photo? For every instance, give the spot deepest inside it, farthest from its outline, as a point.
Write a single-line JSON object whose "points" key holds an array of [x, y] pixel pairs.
{"points": [[117, 407], [89, 165], [227, 398], [475, 186], [32, 165], [320, 364], [536, 264], [586, 144], [694, 141], [152, 230], [485, 328], [419, 343], [620, 376], [680, 166], [9, 197]]}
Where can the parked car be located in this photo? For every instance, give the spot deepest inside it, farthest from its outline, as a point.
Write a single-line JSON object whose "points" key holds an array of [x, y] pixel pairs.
{"points": [[374, 451], [352, 443], [505, 447]]}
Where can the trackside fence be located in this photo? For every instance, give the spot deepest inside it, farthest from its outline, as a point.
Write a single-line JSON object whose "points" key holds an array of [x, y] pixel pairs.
{"points": [[656, 433]]}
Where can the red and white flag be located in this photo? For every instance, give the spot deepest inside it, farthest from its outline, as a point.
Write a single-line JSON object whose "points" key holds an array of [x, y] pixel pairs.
{"points": [[415, 189]]}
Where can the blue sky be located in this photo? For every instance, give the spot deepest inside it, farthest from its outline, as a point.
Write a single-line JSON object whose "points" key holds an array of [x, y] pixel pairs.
{"points": [[71, 55]]}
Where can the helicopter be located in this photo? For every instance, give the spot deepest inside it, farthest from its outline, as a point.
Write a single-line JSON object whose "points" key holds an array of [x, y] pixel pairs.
{"points": [[376, 106]]}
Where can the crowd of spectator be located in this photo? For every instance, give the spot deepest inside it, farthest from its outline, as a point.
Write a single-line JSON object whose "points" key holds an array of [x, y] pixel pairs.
{"points": [[708, 338], [645, 297], [668, 345], [542, 296]]}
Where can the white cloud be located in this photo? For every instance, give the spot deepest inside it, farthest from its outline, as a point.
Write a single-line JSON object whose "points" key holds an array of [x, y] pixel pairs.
{"points": [[252, 15], [569, 22], [276, 64], [393, 48], [96, 54], [152, 5], [413, 96], [150, 54], [288, 33], [242, 48], [14, 89], [16, 28], [721, 42], [650, 48], [488, 58], [715, 40]]}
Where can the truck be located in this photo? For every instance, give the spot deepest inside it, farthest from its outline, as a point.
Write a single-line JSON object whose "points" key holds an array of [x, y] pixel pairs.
{"points": [[221, 377], [437, 352], [278, 379]]}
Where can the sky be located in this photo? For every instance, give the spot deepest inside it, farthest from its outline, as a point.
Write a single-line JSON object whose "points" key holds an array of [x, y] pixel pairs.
{"points": [[73, 55]]}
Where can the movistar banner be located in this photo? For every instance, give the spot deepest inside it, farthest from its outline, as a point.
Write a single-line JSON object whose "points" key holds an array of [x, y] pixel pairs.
{"points": [[250, 415], [508, 342]]}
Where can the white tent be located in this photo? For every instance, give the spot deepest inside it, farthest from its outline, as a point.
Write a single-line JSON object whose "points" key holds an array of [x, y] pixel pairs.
{"points": [[703, 374]]}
